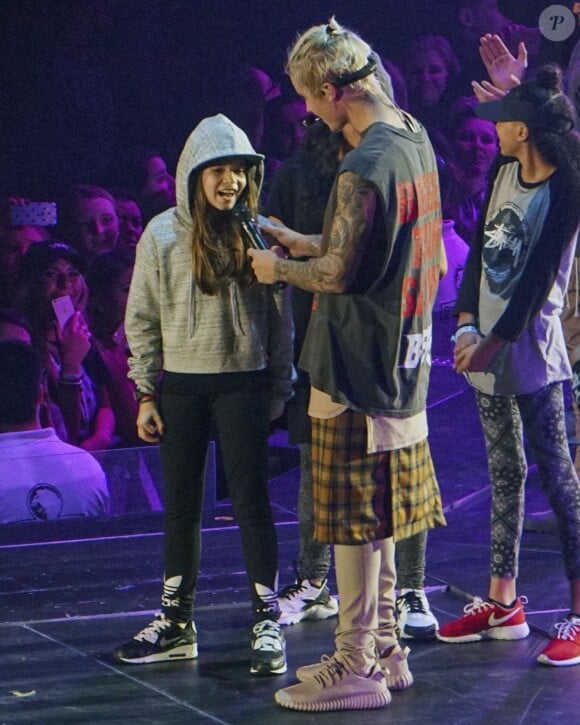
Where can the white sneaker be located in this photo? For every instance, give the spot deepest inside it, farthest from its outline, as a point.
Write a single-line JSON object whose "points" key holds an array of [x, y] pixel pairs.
{"points": [[304, 600], [415, 618], [336, 687]]}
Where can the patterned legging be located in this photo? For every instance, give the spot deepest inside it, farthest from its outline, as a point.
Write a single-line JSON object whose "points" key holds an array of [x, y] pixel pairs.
{"points": [[542, 416]]}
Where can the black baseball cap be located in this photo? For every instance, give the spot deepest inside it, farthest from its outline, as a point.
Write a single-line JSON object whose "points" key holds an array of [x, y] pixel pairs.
{"points": [[42, 255], [512, 107]]}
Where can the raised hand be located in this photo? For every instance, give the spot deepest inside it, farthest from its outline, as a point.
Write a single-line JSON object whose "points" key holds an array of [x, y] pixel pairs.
{"points": [[485, 91], [504, 70]]}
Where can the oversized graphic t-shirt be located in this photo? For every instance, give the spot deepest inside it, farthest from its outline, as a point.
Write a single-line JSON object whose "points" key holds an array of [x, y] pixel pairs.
{"points": [[516, 214]]}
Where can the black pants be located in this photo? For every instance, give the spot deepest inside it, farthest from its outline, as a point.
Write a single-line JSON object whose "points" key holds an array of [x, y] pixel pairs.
{"points": [[238, 405]]}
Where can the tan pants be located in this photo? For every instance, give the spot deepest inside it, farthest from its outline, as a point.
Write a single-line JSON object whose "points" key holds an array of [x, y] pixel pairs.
{"points": [[365, 577]]}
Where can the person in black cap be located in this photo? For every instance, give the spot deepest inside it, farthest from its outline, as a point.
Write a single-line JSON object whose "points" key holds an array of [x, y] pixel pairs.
{"points": [[52, 295], [510, 344]]}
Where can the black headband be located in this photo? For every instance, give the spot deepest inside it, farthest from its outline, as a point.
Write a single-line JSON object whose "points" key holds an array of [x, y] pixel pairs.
{"points": [[363, 72]]}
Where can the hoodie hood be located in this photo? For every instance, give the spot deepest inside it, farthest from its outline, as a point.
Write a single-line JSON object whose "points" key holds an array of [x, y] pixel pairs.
{"points": [[213, 139]]}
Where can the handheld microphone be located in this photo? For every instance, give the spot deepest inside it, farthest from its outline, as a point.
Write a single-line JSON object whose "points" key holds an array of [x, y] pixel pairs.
{"points": [[252, 233], [251, 230]]}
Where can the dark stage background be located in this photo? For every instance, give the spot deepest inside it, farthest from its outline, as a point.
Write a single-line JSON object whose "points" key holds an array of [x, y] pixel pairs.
{"points": [[148, 71]]}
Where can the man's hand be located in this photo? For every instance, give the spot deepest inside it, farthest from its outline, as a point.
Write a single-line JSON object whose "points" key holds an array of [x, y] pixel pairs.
{"points": [[297, 245], [263, 262], [504, 70]]}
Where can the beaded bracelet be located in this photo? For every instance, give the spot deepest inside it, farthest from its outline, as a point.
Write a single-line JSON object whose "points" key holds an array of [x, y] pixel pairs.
{"points": [[72, 380]]}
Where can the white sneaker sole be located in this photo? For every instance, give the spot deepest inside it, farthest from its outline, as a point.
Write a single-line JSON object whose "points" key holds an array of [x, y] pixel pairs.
{"points": [[314, 614], [184, 652], [517, 631]]}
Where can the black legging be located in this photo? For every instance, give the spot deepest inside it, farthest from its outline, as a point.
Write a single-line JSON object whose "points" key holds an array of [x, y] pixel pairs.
{"points": [[238, 405]]}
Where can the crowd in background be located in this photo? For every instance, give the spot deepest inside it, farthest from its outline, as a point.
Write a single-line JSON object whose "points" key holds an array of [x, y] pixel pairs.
{"points": [[105, 196]]}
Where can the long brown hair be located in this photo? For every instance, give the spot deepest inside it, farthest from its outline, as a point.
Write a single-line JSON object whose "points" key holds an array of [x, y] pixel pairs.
{"points": [[218, 248]]}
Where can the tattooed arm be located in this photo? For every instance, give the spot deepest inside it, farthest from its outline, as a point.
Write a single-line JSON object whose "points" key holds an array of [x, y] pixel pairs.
{"points": [[338, 267]]}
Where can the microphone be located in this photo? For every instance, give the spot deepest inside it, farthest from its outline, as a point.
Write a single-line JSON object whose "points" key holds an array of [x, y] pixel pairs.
{"points": [[252, 232]]}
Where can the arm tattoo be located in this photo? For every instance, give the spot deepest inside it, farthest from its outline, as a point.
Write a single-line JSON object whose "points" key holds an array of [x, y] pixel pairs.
{"points": [[336, 269]]}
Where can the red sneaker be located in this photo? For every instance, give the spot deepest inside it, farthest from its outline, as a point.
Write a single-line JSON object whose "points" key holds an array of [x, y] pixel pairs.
{"points": [[564, 649], [487, 620]]}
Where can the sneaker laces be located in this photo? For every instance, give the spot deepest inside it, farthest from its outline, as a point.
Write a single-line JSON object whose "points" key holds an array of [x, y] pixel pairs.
{"points": [[151, 632], [567, 629], [413, 603], [292, 591], [332, 673], [267, 636], [479, 605]]}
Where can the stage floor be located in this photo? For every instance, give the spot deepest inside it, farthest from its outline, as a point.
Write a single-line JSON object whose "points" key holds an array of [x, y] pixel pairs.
{"points": [[71, 592]]}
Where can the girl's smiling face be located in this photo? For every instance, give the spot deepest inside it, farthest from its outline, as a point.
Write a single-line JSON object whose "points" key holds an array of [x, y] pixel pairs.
{"points": [[223, 183], [63, 278]]}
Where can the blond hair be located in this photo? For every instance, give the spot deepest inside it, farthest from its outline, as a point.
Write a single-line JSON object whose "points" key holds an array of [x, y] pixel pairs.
{"points": [[331, 54]]}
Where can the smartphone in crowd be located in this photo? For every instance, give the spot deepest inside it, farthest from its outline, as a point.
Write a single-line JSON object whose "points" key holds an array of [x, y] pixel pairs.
{"points": [[63, 309], [33, 213]]}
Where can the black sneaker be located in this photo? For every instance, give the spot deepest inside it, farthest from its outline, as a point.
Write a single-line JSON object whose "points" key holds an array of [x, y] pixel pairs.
{"points": [[268, 649], [160, 641]]}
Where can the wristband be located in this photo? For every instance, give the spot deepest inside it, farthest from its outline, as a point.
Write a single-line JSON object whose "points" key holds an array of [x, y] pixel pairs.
{"points": [[463, 329], [142, 397]]}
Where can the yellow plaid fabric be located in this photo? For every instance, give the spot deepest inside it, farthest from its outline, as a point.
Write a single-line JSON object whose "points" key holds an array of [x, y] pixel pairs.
{"points": [[360, 497]]}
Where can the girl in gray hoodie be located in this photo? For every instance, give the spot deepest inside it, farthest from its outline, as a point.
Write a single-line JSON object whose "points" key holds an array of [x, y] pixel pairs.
{"points": [[209, 345]]}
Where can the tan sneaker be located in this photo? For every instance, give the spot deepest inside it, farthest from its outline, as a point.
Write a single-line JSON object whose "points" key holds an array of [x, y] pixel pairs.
{"points": [[336, 687], [396, 668]]}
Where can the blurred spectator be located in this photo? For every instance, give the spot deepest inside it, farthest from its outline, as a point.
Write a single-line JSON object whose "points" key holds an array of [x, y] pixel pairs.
{"points": [[244, 100], [14, 241], [91, 223], [13, 326], [474, 147], [144, 173], [283, 133], [77, 377], [130, 220], [398, 83], [41, 477], [528, 13], [431, 67], [471, 19], [109, 280]]}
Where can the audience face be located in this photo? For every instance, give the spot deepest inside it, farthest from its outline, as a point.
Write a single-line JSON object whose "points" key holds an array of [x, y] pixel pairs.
{"points": [[159, 187], [290, 127], [98, 226], [130, 223], [427, 77], [14, 244], [486, 18], [120, 293], [63, 278], [475, 145]]}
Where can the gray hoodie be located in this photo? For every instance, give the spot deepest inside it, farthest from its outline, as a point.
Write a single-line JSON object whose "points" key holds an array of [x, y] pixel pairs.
{"points": [[170, 323]]}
